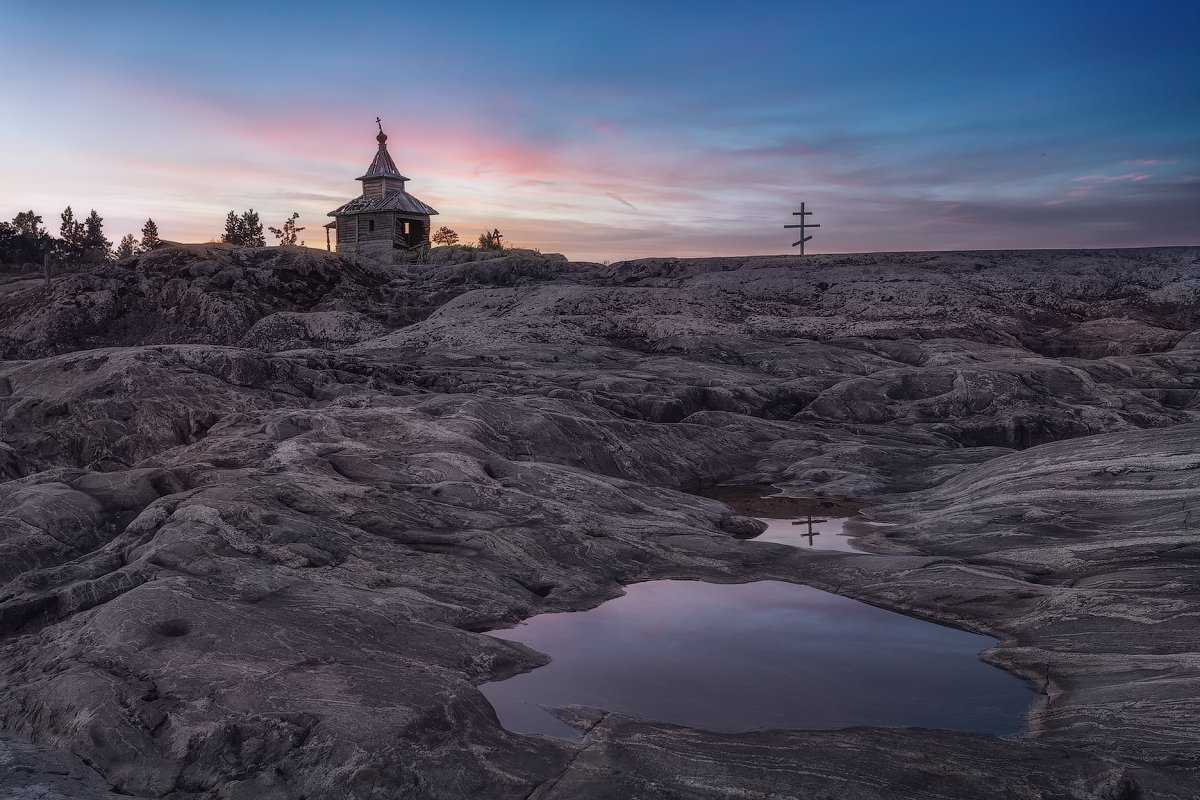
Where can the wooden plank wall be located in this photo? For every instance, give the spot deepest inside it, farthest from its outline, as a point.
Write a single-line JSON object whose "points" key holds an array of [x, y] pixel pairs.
{"points": [[354, 231]]}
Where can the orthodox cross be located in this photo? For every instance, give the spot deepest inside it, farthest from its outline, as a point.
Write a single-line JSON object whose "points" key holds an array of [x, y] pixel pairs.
{"points": [[379, 122], [811, 533], [802, 226]]}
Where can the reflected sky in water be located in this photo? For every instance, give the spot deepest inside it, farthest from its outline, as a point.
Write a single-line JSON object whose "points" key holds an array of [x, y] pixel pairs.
{"points": [[759, 655], [828, 533]]}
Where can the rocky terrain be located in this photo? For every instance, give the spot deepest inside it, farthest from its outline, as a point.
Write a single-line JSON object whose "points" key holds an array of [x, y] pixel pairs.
{"points": [[258, 508]]}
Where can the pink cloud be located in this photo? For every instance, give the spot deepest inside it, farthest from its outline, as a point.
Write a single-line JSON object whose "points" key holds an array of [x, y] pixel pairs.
{"points": [[1128, 176], [1076, 193], [1091, 182], [185, 157], [196, 154]]}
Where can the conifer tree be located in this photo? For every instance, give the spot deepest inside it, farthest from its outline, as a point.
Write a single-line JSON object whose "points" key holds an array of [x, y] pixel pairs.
{"points": [[245, 230], [71, 235], [252, 230], [27, 224], [127, 248], [287, 234], [150, 240], [96, 247], [68, 227], [233, 229], [24, 241], [445, 235]]}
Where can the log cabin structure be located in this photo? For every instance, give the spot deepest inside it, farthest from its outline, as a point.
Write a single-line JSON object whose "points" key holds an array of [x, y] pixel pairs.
{"points": [[384, 217]]}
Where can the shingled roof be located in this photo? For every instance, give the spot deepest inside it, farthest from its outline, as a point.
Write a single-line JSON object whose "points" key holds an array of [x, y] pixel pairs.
{"points": [[382, 165], [395, 201], [390, 196]]}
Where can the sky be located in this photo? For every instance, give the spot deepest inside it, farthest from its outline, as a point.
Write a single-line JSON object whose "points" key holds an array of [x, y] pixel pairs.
{"points": [[619, 130]]}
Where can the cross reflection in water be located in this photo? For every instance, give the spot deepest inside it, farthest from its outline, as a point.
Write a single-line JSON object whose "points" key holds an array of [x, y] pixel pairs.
{"points": [[811, 533], [818, 533]]}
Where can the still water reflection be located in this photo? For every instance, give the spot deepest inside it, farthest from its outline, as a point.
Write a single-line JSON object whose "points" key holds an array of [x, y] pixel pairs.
{"points": [[822, 534], [756, 655]]}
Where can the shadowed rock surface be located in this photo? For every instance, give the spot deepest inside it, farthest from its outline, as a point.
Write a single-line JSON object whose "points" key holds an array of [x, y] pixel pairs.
{"points": [[259, 506]]}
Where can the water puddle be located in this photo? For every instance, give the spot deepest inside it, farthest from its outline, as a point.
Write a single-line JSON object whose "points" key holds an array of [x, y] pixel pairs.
{"points": [[757, 655], [817, 533]]}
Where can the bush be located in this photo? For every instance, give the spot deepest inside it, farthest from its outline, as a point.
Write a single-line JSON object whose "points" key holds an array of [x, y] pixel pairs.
{"points": [[491, 241], [445, 236]]}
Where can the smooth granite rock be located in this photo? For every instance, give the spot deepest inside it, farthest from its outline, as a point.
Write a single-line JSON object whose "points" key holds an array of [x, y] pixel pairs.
{"points": [[258, 509]]}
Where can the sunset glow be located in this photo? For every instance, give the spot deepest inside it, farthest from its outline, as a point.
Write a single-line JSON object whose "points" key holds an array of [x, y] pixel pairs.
{"points": [[622, 130]]}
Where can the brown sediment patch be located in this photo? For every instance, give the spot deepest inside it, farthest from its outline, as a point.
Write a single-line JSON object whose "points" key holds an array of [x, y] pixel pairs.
{"points": [[769, 501]]}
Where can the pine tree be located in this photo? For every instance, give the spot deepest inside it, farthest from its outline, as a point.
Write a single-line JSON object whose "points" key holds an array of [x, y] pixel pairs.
{"points": [[68, 227], [71, 235], [127, 248], [233, 229], [252, 230], [27, 224], [8, 243], [287, 234], [445, 235], [244, 231], [24, 241], [150, 240], [96, 247]]}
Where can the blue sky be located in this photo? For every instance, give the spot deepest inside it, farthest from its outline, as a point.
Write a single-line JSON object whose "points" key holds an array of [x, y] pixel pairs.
{"points": [[620, 129]]}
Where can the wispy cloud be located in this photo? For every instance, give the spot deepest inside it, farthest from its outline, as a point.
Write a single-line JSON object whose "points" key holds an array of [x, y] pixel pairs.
{"points": [[1090, 183], [1128, 176], [556, 126]]}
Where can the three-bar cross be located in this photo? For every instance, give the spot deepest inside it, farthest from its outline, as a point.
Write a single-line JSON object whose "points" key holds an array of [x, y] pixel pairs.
{"points": [[802, 226]]}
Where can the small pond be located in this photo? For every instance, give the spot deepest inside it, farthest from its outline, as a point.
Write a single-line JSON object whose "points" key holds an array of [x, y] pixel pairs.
{"points": [[808, 532], [756, 655]]}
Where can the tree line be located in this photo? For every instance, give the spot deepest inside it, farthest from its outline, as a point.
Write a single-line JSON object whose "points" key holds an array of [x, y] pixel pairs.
{"points": [[488, 240], [26, 241], [246, 229]]}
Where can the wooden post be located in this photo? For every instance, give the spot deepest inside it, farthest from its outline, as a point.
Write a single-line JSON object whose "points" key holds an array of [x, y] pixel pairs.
{"points": [[46, 269], [327, 247]]}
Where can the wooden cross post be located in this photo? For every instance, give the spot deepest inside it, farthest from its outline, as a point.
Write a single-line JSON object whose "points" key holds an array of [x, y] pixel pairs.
{"points": [[803, 226], [811, 533]]}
